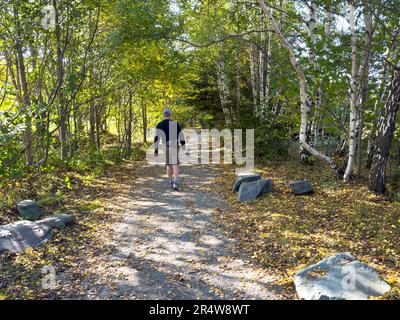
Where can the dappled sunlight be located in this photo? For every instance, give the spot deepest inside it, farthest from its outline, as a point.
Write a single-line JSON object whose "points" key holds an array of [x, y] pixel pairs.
{"points": [[168, 246]]}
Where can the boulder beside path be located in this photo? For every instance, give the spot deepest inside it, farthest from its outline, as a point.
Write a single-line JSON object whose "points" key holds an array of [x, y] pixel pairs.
{"points": [[58, 220], [29, 209], [20, 235], [301, 187], [339, 277], [254, 189], [245, 177]]}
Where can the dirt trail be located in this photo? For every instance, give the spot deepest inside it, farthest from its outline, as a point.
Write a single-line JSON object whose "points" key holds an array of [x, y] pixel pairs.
{"points": [[168, 246]]}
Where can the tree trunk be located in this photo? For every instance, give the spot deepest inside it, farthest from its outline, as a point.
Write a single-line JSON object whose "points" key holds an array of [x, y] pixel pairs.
{"points": [[98, 127], [261, 73], [312, 24], [353, 96], [237, 76], [144, 122], [26, 102], [92, 122], [223, 88], [305, 106], [377, 175], [267, 88], [382, 91], [364, 87], [129, 125], [62, 112], [253, 76]]}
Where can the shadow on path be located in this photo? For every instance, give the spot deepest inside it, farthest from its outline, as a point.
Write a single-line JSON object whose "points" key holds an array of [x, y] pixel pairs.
{"points": [[167, 245]]}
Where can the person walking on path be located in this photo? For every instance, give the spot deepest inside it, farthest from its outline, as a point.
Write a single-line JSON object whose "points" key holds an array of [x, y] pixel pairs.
{"points": [[170, 133]]}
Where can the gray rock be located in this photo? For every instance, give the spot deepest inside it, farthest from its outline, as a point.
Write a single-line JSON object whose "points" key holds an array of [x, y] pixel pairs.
{"points": [[245, 177], [58, 221], [29, 209], [254, 189], [20, 235], [339, 277], [265, 186], [301, 187]]}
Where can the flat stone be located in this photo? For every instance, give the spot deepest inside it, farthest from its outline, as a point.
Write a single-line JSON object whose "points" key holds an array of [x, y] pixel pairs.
{"points": [[339, 277], [58, 221], [245, 177], [254, 189], [20, 235], [301, 187], [29, 209]]}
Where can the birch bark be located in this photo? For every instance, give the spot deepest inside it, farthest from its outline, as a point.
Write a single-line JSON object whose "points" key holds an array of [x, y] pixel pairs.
{"points": [[353, 95], [305, 106], [377, 176], [364, 85], [253, 76]]}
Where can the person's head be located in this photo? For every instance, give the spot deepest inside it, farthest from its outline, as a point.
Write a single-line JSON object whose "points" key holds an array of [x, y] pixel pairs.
{"points": [[167, 113]]}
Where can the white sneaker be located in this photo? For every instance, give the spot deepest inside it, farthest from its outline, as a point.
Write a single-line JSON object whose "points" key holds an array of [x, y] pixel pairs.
{"points": [[175, 186]]}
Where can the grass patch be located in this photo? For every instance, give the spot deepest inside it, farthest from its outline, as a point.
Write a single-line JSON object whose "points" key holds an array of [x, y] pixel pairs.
{"points": [[90, 206], [49, 199]]}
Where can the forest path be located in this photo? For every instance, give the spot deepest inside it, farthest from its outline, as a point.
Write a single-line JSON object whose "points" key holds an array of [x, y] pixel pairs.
{"points": [[166, 244]]}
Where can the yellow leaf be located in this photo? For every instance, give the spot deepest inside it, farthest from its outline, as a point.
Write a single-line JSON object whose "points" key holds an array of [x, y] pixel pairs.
{"points": [[392, 279]]}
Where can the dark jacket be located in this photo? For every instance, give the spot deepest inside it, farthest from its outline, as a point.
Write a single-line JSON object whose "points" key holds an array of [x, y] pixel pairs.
{"points": [[170, 133]]}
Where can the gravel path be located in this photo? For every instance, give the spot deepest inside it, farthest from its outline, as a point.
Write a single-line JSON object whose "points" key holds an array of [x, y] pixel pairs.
{"points": [[167, 245]]}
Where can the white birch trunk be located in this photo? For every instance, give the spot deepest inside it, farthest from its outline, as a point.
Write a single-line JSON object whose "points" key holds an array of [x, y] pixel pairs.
{"points": [[318, 116], [353, 95], [268, 68], [261, 70], [305, 107], [364, 85], [253, 77], [312, 24]]}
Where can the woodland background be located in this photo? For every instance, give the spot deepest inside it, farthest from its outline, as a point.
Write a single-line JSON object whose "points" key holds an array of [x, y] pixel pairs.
{"points": [[81, 82]]}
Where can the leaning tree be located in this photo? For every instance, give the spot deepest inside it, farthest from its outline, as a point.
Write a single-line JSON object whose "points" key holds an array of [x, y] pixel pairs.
{"points": [[377, 176]]}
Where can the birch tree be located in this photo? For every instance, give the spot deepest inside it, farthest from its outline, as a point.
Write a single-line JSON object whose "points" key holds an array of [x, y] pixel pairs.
{"points": [[304, 99], [364, 82], [253, 76], [377, 175], [353, 95], [314, 106]]}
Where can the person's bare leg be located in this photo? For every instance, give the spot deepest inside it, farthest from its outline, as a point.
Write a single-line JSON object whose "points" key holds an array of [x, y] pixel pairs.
{"points": [[170, 171], [176, 172], [176, 176]]}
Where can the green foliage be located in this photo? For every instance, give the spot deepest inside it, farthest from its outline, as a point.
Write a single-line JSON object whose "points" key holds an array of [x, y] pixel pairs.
{"points": [[396, 197], [49, 199], [90, 206], [68, 183], [271, 140], [96, 159], [11, 164]]}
